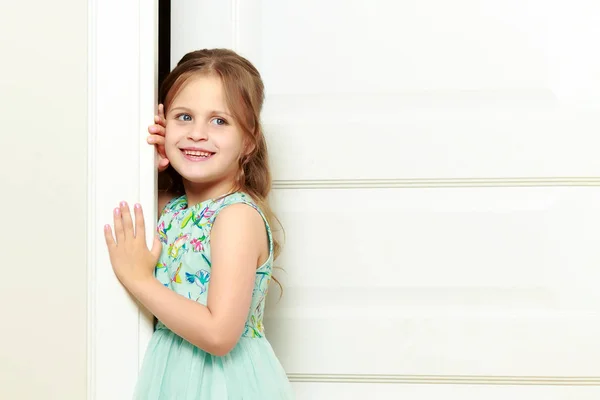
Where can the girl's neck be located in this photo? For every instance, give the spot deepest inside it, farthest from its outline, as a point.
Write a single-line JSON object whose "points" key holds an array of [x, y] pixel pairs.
{"points": [[200, 192]]}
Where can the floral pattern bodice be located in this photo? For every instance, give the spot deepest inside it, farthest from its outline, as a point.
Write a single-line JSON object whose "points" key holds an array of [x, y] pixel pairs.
{"points": [[184, 265]]}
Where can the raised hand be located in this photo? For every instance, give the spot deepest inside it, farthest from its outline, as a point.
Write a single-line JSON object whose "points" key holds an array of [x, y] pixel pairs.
{"points": [[157, 137], [131, 260]]}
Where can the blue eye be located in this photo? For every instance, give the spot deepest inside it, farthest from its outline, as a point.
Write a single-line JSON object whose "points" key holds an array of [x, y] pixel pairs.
{"points": [[184, 117], [219, 121]]}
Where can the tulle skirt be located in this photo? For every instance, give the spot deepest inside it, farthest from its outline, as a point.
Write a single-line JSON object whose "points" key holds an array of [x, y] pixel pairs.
{"points": [[175, 369]]}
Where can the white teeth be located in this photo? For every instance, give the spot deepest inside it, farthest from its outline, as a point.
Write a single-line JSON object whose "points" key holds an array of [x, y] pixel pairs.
{"points": [[197, 153]]}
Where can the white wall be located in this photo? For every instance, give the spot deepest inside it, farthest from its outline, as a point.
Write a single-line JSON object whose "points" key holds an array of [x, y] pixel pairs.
{"points": [[43, 108], [436, 170]]}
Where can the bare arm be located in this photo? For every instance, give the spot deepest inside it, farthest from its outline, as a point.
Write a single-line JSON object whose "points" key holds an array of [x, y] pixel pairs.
{"points": [[238, 246]]}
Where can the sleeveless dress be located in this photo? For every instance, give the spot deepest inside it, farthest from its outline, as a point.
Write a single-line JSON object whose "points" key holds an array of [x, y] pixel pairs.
{"points": [[173, 368]]}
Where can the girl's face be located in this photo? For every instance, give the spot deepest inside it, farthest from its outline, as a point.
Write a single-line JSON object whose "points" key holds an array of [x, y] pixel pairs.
{"points": [[203, 142]]}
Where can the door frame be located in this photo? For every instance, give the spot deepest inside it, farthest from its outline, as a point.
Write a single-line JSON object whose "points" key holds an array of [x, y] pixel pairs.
{"points": [[122, 91]]}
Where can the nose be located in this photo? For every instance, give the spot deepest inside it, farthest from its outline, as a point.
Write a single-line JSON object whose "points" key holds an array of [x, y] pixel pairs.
{"points": [[198, 133]]}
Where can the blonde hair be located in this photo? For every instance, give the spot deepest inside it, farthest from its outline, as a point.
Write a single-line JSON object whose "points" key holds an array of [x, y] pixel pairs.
{"points": [[244, 94]]}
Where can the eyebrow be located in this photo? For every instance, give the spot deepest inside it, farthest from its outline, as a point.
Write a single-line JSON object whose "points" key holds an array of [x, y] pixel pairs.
{"points": [[210, 112]]}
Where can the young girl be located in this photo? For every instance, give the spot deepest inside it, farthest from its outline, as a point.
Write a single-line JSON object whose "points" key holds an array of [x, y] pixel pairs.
{"points": [[206, 276]]}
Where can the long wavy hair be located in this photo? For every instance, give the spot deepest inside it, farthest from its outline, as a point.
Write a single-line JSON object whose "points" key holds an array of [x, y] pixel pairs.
{"points": [[244, 94]]}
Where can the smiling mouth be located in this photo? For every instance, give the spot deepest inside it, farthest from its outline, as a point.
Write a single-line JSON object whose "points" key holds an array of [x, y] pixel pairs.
{"points": [[197, 155]]}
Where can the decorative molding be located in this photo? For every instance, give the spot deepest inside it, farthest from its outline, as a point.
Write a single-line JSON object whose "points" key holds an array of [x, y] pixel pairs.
{"points": [[121, 76], [91, 203], [447, 379], [433, 183], [147, 174]]}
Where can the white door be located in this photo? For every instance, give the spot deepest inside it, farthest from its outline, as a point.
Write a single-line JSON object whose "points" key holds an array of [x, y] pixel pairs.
{"points": [[437, 175]]}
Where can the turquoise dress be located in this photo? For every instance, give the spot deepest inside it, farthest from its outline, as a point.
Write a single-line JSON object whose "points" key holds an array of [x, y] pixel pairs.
{"points": [[174, 369]]}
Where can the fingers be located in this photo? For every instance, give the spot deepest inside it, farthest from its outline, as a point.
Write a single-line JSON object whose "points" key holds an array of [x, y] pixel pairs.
{"points": [[160, 117], [123, 222], [161, 113], [110, 240], [156, 139], [118, 222], [140, 226], [160, 123], [157, 130], [127, 221]]}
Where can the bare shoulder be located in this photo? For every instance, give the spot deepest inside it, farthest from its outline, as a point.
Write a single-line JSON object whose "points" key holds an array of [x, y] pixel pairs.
{"points": [[241, 217], [240, 225]]}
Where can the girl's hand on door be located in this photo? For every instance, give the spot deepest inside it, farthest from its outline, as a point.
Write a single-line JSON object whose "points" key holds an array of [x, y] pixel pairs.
{"points": [[133, 263], [157, 137]]}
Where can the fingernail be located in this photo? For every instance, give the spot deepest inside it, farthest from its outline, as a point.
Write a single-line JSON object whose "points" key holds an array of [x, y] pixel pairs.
{"points": [[117, 211], [106, 227], [123, 204], [137, 206]]}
